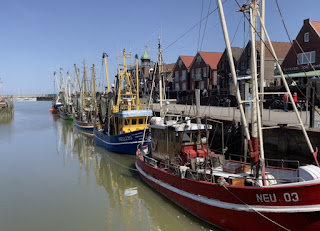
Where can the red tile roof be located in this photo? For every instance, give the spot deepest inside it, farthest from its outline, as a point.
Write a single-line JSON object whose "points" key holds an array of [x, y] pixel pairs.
{"points": [[281, 49], [187, 60], [316, 26], [211, 58]]}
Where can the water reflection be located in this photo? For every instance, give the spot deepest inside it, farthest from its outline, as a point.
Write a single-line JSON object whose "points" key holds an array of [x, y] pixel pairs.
{"points": [[129, 204], [6, 115]]}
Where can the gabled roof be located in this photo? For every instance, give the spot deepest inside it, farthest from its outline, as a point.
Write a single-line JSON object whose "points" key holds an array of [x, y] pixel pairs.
{"points": [[187, 60], [281, 49], [168, 67], [316, 26], [211, 58], [236, 52]]}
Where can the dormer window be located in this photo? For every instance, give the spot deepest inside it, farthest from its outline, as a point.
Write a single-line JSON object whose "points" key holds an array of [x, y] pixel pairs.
{"points": [[306, 37]]}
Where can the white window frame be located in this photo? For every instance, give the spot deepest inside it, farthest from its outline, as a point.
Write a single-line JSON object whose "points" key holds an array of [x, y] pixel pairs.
{"points": [[184, 75], [201, 85], [198, 73], [306, 37], [205, 72], [176, 76], [184, 86], [199, 59], [306, 58]]}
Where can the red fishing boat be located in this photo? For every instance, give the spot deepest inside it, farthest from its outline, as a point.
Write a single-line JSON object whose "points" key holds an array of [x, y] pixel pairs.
{"points": [[231, 194]]}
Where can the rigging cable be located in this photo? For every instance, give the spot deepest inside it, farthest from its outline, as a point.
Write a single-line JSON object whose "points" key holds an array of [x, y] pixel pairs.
{"points": [[251, 207], [205, 26], [275, 58], [181, 36], [200, 26]]}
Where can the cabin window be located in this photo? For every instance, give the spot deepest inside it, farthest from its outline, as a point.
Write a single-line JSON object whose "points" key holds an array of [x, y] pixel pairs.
{"points": [[194, 137], [186, 138], [134, 121], [127, 122], [140, 121], [306, 37]]}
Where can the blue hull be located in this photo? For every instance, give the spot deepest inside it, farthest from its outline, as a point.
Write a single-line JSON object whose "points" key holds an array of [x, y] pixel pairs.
{"points": [[124, 143]]}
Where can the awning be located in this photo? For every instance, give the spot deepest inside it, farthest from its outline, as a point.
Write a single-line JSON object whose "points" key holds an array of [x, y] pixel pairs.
{"points": [[243, 77], [300, 74]]}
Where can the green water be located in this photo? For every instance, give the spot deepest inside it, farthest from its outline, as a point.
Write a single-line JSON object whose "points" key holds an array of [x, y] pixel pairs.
{"points": [[52, 177]]}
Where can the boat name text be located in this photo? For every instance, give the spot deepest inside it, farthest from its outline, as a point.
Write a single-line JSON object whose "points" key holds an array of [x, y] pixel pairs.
{"points": [[126, 138], [287, 197]]}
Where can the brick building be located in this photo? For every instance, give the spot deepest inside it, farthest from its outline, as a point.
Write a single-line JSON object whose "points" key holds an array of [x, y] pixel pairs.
{"points": [[281, 49], [181, 73], [203, 70], [303, 59]]}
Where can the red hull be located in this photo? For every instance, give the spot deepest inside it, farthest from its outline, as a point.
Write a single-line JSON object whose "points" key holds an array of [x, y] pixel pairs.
{"points": [[295, 207], [54, 111]]}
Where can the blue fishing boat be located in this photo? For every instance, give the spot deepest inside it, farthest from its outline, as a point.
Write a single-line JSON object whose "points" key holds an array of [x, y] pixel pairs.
{"points": [[126, 122]]}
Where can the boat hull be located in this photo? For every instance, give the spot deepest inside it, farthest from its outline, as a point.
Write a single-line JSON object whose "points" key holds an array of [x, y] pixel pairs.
{"points": [[83, 125], [239, 208], [65, 116], [127, 143]]}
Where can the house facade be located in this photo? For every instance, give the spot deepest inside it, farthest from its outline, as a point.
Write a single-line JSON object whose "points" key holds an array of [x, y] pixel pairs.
{"points": [[225, 84], [303, 58], [244, 64], [203, 70], [181, 73]]}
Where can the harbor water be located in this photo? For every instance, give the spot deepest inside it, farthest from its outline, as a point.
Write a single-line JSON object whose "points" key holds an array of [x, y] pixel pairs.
{"points": [[53, 177]]}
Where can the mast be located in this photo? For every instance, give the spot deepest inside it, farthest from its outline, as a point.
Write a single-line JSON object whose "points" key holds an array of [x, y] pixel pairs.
{"points": [[160, 69], [262, 54], [104, 56], [85, 84], [233, 72], [137, 79], [94, 91], [256, 132], [126, 77], [77, 76]]}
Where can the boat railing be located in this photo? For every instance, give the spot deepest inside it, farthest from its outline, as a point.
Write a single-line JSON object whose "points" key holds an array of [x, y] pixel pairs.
{"points": [[117, 108], [150, 161], [280, 163]]}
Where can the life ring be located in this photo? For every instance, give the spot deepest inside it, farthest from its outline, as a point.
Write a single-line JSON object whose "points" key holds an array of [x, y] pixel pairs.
{"points": [[154, 144]]}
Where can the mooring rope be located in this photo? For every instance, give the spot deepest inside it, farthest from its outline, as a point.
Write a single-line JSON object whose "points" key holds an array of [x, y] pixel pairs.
{"points": [[264, 216], [126, 167]]}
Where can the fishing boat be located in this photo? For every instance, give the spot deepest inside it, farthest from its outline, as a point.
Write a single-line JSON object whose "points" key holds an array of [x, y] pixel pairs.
{"points": [[85, 116], [260, 194], [66, 110], [126, 119], [56, 102]]}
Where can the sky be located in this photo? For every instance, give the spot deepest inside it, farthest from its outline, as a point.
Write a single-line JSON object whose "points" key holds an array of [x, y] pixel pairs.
{"points": [[39, 37]]}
